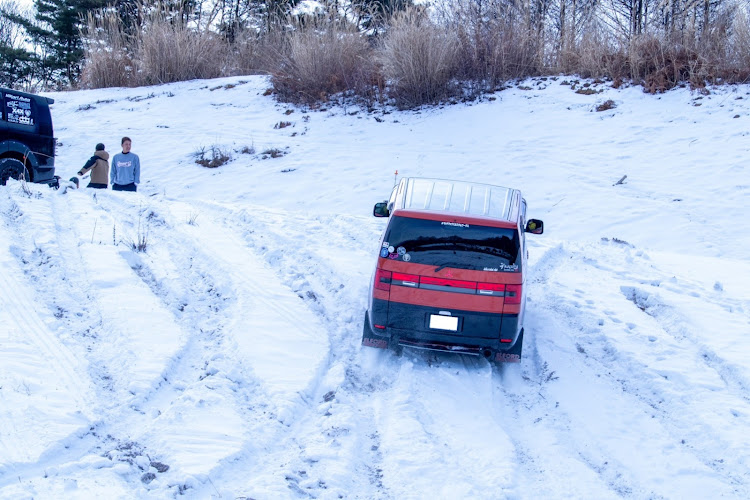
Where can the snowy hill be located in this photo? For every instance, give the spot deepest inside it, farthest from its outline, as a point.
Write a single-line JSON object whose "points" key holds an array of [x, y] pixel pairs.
{"points": [[225, 360]]}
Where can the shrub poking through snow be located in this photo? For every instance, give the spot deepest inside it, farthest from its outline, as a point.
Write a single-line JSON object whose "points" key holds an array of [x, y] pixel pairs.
{"points": [[273, 153], [606, 105], [212, 157]]}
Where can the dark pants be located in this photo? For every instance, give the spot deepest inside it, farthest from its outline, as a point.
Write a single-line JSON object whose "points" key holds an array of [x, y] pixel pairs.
{"points": [[125, 187], [97, 185]]}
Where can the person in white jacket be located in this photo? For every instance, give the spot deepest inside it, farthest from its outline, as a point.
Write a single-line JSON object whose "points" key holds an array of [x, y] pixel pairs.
{"points": [[125, 174]]}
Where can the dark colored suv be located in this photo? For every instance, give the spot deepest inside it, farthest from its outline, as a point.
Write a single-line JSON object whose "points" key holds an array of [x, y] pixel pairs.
{"points": [[27, 142], [451, 270]]}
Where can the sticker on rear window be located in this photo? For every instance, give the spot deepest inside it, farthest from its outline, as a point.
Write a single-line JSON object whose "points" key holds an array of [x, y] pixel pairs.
{"points": [[455, 224], [384, 252]]}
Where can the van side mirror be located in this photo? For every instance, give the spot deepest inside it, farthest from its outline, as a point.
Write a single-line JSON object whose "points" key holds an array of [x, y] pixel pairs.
{"points": [[534, 226], [381, 209]]}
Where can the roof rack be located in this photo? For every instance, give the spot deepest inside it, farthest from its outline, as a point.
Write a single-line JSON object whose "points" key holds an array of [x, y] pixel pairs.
{"points": [[443, 195]]}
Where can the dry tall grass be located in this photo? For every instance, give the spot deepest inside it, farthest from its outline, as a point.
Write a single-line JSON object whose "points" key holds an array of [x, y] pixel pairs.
{"points": [[468, 47], [494, 43], [739, 51], [108, 60], [419, 60], [171, 51], [162, 49], [320, 56]]}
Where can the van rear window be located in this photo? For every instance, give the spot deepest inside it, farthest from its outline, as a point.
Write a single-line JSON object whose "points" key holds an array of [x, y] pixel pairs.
{"points": [[448, 244], [19, 109]]}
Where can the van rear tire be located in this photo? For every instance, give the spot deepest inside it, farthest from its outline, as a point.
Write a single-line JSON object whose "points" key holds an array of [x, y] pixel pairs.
{"points": [[10, 168]]}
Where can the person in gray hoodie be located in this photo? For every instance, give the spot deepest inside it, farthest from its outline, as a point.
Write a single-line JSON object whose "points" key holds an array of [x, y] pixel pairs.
{"points": [[126, 169], [99, 167]]}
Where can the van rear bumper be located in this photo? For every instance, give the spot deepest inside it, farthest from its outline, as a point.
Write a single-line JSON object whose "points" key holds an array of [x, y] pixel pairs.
{"points": [[477, 333]]}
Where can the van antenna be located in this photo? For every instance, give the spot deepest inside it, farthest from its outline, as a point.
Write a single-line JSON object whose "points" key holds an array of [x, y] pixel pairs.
{"points": [[395, 177]]}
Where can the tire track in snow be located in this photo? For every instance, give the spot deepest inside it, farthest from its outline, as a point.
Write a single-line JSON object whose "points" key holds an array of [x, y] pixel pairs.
{"points": [[311, 451], [264, 313], [679, 327], [62, 256], [113, 431], [428, 435], [187, 280], [549, 445], [231, 260], [634, 360], [58, 399], [162, 393], [549, 448], [369, 387]]}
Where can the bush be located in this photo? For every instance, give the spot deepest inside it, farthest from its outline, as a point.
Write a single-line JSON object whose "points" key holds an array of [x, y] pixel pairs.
{"points": [[419, 60], [660, 64], [213, 157], [246, 53], [739, 49], [494, 44], [322, 56]]}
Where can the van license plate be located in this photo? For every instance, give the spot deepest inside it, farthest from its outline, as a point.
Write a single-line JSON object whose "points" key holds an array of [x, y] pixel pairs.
{"points": [[443, 322]]}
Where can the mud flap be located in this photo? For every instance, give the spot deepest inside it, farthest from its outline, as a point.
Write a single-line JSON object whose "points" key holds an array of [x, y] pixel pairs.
{"points": [[369, 339], [513, 355]]}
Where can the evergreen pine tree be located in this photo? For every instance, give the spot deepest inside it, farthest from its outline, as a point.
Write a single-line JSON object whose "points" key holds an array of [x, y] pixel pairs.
{"points": [[57, 34], [15, 61]]}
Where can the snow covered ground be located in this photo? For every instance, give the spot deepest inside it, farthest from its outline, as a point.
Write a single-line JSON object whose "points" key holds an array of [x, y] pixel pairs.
{"points": [[225, 360]]}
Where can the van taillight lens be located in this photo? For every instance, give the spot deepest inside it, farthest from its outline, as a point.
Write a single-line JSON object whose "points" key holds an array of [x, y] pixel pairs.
{"points": [[490, 287], [383, 280], [513, 294], [411, 280]]}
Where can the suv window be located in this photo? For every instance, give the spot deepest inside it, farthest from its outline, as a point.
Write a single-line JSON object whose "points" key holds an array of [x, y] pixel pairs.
{"points": [[449, 244]]}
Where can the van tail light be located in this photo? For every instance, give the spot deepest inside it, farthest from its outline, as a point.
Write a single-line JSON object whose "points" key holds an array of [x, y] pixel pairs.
{"points": [[383, 279], [513, 294], [402, 279], [493, 289]]}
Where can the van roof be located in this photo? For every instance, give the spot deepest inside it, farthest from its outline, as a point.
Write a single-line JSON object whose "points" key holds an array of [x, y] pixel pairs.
{"points": [[457, 198]]}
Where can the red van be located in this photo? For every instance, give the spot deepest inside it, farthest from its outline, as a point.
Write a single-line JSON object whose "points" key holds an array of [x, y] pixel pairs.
{"points": [[450, 274]]}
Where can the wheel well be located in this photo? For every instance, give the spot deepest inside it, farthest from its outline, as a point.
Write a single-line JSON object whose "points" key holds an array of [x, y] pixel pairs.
{"points": [[25, 160]]}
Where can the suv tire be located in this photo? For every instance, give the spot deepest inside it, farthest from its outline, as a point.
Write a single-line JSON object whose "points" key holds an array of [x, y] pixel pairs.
{"points": [[10, 168]]}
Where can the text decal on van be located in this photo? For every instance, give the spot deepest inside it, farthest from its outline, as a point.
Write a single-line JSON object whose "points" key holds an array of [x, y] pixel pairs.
{"points": [[455, 224], [18, 109]]}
